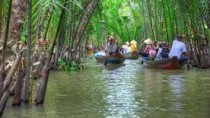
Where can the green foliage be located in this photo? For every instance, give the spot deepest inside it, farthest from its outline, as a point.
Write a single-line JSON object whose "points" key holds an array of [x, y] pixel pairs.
{"points": [[68, 66]]}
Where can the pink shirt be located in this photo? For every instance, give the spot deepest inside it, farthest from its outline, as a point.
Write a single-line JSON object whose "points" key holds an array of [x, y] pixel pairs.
{"points": [[149, 49]]}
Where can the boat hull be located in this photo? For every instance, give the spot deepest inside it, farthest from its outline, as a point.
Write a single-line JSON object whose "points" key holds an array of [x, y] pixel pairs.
{"points": [[133, 55], [173, 63], [113, 59]]}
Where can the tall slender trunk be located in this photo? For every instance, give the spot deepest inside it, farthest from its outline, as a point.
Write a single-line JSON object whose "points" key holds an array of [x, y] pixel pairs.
{"points": [[150, 18], [19, 8], [84, 22], [6, 34], [164, 15], [1, 17], [170, 18], [145, 32], [25, 89], [2, 71], [46, 71]]}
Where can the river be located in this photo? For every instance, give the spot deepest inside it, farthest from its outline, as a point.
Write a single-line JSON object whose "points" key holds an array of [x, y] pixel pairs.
{"points": [[129, 90]]}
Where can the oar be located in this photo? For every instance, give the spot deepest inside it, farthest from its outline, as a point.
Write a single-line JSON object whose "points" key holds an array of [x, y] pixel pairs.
{"points": [[188, 63], [105, 61]]}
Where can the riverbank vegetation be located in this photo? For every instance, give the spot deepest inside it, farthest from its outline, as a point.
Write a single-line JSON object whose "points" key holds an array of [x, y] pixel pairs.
{"points": [[39, 35]]}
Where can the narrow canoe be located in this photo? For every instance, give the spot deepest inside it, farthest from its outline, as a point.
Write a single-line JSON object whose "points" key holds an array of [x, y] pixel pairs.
{"points": [[116, 58], [173, 63], [133, 55]]}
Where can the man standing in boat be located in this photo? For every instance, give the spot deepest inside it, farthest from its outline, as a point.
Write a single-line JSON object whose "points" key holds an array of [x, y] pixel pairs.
{"points": [[178, 49], [111, 47]]}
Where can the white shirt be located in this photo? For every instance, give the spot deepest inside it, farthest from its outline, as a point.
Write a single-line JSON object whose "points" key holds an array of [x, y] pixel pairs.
{"points": [[158, 56], [177, 49], [111, 47]]}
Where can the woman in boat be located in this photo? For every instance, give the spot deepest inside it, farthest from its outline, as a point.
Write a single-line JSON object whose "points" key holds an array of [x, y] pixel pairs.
{"points": [[178, 49], [163, 51], [89, 48], [133, 45], [149, 51], [111, 46]]}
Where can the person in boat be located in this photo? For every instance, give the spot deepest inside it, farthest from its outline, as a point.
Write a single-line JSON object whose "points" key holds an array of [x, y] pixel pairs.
{"points": [[178, 49], [126, 47], [89, 48], [163, 51], [149, 51], [111, 46], [101, 52], [133, 45]]}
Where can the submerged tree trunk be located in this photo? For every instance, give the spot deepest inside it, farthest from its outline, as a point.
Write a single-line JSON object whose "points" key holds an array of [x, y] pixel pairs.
{"points": [[17, 89], [25, 89], [3, 101], [45, 74], [12, 71]]}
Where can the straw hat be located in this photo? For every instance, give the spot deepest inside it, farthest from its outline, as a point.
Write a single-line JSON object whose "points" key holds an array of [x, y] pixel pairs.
{"points": [[127, 43], [133, 42], [148, 41], [110, 38]]}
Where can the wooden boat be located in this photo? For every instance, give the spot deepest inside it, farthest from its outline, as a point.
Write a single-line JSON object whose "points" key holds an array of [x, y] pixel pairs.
{"points": [[116, 58], [133, 55], [173, 63]]}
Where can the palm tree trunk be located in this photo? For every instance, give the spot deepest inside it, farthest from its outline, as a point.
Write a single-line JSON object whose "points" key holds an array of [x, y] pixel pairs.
{"points": [[46, 71], [25, 89], [150, 18], [1, 17], [2, 71], [19, 8], [84, 21], [164, 15], [17, 88]]}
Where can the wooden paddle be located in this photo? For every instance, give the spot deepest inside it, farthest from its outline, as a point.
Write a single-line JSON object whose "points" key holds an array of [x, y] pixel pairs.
{"points": [[105, 61], [188, 63]]}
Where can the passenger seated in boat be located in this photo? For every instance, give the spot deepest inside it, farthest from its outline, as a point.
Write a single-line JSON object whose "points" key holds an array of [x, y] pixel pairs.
{"points": [[111, 46], [101, 52], [163, 51], [133, 45], [89, 48], [126, 48], [178, 49], [149, 51]]}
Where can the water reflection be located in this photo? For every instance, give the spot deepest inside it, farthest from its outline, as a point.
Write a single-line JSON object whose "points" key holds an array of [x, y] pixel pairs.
{"points": [[122, 91], [120, 87]]}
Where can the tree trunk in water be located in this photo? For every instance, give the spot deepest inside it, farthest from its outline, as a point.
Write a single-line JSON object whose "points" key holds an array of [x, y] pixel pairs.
{"points": [[38, 68], [43, 84], [25, 89], [2, 77], [42, 87], [12, 71], [17, 90], [12, 89], [3, 101]]}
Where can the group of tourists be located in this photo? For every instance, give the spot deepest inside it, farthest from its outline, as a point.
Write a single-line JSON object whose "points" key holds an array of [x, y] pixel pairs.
{"points": [[152, 51], [162, 50]]}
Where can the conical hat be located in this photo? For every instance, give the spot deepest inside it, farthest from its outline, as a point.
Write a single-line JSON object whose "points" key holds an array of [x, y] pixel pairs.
{"points": [[148, 41], [127, 43], [133, 42]]}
